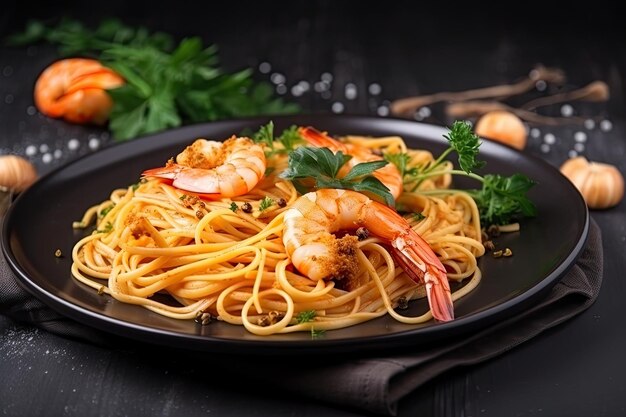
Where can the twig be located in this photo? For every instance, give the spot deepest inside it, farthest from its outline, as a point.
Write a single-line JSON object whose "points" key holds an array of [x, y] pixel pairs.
{"points": [[596, 91], [477, 108], [407, 106]]}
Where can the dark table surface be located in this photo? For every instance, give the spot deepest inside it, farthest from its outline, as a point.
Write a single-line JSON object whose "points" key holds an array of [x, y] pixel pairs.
{"points": [[575, 369]]}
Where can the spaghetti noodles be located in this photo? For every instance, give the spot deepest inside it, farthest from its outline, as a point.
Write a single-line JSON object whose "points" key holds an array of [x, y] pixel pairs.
{"points": [[182, 255]]}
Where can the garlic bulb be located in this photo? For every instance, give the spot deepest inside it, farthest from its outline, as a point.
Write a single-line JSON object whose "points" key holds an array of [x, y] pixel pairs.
{"points": [[502, 126], [16, 173], [601, 185]]}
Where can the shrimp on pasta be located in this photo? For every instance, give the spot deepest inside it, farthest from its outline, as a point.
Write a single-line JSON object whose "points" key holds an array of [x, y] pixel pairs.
{"points": [[230, 168], [315, 251]]}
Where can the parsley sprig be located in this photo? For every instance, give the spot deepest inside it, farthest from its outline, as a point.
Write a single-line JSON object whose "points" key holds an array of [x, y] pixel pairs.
{"points": [[321, 166], [167, 85], [288, 139], [500, 200]]}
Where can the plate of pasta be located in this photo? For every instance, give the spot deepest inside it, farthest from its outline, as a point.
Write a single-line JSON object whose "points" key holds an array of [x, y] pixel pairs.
{"points": [[292, 234]]}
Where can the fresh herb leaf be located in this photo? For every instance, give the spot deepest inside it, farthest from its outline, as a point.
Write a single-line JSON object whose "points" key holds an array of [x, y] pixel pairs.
{"points": [[290, 138], [503, 199], [233, 206], [106, 210], [418, 216], [400, 160], [322, 166], [265, 135], [465, 142], [306, 316], [317, 333], [265, 203], [107, 228]]}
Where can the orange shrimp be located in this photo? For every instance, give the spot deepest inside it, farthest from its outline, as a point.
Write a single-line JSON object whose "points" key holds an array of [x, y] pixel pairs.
{"points": [[74, 89], [389, 175], [317, 253], [228, 169]]}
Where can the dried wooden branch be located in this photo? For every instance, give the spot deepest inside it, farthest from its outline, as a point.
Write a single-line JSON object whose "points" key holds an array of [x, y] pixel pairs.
{"points": [[407, 106], [477, 108], [596, 91]]}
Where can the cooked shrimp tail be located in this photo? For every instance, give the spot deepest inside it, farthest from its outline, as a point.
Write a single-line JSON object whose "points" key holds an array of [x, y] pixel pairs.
{"points": [[321, 140], [416, 257], [419, 262]]}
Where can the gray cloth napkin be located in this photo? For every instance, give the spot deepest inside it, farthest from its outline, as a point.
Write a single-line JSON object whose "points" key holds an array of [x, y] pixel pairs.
{"points": [[373, 384]]}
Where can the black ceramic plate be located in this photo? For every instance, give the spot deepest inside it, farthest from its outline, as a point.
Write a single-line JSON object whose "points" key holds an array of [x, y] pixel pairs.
{"points": [[40, 222]]}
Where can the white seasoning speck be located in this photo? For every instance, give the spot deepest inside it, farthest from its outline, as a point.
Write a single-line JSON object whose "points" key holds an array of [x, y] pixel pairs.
{"points": [[265, 67], [606, 125], [296, 90], [73, 144], [31, 110], [46, 158], [545, 148], [304, 85], [281, 89], [424, 112], [374, 89], [43, 148], [535, 133], [589, 124], [549, 139], [580, 136], [327, 77], [567, 110], [337, 107], [579, 147], [57, 153], [278, 78], [94, 143], [31, 150], [572, 153], [321, 86], [382, 111], [540, 85], [350, 91]]}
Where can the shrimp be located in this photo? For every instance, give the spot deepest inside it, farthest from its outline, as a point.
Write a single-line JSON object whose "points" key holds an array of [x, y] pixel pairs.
{"points": [[74, 89], [317, 253], [229, 169], [389, 175]]}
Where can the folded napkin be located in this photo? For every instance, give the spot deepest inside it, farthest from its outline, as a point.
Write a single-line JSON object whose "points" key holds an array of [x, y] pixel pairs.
{"points": [[372, 383]]}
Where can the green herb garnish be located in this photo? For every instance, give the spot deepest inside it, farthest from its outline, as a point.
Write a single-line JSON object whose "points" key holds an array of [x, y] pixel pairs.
{"points": [[316, 334], [501, 200], [321, 166], [266, 203], [167, 85], [306, 316], [106, 210], [108, 228], [289, 138], [233, 206]]}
